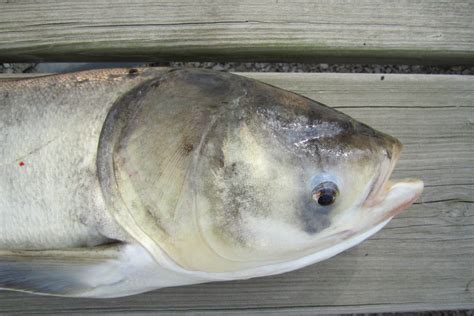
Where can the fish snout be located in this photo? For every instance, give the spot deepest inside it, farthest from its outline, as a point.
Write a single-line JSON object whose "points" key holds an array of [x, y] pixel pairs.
{"points": [[380, 186]]}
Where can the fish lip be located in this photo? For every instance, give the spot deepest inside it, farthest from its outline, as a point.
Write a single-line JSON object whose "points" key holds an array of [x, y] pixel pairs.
{"points": [[411, 189]]}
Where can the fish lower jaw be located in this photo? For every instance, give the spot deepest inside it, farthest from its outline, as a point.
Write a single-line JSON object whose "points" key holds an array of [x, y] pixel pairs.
{"points": [[396, 196]]}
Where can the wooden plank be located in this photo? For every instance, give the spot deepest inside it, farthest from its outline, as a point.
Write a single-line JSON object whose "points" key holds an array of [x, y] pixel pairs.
{"points": [[267, 30], [423, 260]]}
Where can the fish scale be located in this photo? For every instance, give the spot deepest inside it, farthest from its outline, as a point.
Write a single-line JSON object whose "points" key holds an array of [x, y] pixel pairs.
{"points": [[48, 158]]}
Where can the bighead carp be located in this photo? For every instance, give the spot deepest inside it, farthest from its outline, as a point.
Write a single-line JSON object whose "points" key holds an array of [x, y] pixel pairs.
{"points": [[117, 182]]}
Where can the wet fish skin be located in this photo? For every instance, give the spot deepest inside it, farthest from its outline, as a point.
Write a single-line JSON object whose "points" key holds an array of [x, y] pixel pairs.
{"points": [[50, 126], [180, 177]]}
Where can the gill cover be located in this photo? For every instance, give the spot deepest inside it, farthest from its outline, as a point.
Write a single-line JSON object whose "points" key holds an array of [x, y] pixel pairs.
{"points": [[150, 143]]}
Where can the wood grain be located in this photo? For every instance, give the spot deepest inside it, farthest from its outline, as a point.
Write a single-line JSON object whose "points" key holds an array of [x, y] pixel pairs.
{"points": [[423, 260], [372, 31]]}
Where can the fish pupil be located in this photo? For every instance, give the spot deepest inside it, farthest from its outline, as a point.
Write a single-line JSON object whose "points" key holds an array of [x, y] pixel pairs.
{"points": [[326, 198]]}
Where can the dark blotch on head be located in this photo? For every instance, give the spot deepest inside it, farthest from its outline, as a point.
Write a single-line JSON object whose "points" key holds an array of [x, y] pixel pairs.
{"points": [[133, 71], [233, 168], [315, 218]]}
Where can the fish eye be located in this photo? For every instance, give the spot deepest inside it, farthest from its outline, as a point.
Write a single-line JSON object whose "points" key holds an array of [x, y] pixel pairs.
{"points": [[325, 193]]}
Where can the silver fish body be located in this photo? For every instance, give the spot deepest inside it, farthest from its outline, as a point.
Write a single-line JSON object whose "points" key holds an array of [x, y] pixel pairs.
{"points": [[120, 181]]}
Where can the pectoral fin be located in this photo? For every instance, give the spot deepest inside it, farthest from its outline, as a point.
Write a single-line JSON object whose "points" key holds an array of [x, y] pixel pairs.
{"points": [[71, 272]]}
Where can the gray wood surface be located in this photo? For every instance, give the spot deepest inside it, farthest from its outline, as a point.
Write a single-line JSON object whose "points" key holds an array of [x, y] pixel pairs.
{"points": [[265, 30], [423, 260]]}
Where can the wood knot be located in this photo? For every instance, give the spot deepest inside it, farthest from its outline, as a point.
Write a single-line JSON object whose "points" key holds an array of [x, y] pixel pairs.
{"points": [[188, 148]]}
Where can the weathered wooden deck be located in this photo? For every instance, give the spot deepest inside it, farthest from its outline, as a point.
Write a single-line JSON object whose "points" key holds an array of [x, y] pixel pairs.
{"points": [[423, 260], [265, 30]]}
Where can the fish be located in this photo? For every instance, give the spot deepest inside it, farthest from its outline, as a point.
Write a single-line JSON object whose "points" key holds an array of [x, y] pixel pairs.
{"points": [[121, 181]]}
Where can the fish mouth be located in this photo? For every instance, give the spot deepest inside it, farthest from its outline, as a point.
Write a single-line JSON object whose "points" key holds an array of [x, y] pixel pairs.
{"points": [[391, 196]]}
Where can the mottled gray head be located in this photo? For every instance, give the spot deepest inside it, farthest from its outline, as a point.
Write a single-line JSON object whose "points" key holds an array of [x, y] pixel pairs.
{"points": [[230, 175]]}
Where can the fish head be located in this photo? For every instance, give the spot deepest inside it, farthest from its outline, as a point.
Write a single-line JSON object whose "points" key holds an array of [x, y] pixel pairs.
{"points": [[292, 178], [225, 177]]}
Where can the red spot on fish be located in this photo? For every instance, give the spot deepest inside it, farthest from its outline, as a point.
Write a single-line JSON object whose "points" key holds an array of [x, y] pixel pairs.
{"points": [[21, 163]]}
